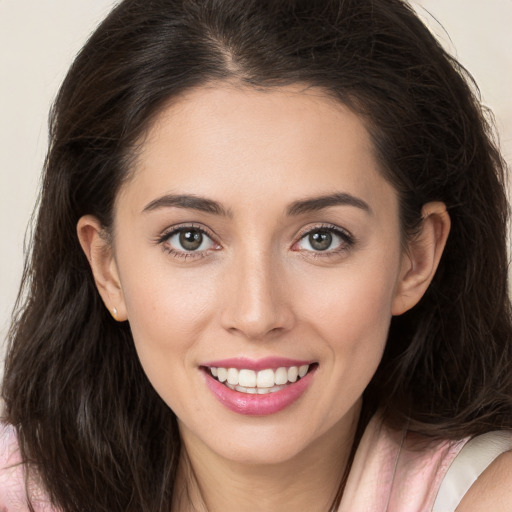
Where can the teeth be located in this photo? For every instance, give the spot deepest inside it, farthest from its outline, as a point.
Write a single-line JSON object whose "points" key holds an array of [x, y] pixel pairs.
{"points": [[222, 374], [266, 378], [247, 378], [233, 376], [293, 373], [281, 376], [262, 382], [303, 370], [242, 389]]}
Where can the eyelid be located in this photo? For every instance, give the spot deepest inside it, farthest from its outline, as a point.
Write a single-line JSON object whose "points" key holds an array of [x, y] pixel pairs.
{"points": [[347, 239], [346, 236], [326, 226], [170, 231]]}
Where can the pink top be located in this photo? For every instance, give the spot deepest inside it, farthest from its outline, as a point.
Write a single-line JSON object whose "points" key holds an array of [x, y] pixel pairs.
{"points": [[396, 471], [389, 474], [13, 496]]}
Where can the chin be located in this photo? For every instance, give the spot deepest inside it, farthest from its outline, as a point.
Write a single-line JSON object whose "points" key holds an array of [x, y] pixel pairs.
{"points": [[263, 452], [262, 443]]}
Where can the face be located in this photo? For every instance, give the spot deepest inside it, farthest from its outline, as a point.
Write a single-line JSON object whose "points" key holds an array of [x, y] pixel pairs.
{"points": [[257, 240]]}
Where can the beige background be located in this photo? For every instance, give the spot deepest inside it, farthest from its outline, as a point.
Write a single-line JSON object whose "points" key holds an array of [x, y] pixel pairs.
{"points": [[38, 39]]}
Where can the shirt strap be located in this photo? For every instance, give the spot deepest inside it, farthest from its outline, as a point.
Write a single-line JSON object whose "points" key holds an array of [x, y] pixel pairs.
{"points": [[470, 463]]}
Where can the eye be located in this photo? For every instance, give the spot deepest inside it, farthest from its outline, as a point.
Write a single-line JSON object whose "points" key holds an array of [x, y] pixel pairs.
{"points": [[187, 240], [190, 240], [325, 239]]}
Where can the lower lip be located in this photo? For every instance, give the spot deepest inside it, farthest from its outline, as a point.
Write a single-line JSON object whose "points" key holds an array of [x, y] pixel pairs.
{"points": [[258, 405]]}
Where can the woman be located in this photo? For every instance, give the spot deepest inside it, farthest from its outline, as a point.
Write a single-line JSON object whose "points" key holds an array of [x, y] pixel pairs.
{"points": [[268, 271]]}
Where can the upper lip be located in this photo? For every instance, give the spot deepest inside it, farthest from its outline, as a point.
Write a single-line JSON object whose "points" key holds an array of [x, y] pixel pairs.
{"points": [[256, 364]]}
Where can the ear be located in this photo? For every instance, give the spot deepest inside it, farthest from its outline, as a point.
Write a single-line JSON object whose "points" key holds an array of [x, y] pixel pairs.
{"points": [[99, 253], [422, 257]]}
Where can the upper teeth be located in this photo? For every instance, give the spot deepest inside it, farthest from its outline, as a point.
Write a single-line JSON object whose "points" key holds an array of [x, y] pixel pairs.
{"points": [[262, 379]]}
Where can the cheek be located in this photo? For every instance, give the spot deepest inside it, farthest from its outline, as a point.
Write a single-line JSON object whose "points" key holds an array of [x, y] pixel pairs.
{"points": [[168, 314], [167, 307], [350, 313], [353, 305], [355, 323]]}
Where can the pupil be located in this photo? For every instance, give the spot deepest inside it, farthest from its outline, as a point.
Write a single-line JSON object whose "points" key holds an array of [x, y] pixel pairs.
{"points": [[191, 240], [321, 240]]}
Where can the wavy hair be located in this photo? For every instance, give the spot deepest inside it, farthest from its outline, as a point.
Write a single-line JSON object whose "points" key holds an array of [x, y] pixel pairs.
{"points": [[88, 421]]}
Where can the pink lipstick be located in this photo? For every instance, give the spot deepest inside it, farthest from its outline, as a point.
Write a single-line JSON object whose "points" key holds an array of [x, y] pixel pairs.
{"points": [[258, 387]]}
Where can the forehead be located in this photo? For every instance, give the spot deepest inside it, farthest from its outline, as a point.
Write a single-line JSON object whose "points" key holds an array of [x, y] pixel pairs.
{"points": [[229, 142]]}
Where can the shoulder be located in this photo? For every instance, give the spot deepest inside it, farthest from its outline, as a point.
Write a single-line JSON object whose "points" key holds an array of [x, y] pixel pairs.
{"points": [[493, 488], [13, 491], [396, 470], [12, 481], [480, 477], [9, 450], [12, 487]]}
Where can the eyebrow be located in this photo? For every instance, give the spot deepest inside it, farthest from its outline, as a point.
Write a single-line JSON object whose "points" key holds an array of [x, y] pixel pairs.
{"points": [[296, 208], [319, 203], [187, 201]]}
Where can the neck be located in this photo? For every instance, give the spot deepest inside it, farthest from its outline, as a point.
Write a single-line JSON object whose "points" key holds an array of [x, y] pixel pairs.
{"points": [[309, 481]]}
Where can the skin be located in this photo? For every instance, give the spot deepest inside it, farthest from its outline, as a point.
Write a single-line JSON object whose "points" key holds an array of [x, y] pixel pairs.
{"points": [[493, 488], [259, 288]]}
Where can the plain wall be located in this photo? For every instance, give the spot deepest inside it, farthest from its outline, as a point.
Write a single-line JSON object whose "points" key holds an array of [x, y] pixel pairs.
{"points": [[39, 38]]}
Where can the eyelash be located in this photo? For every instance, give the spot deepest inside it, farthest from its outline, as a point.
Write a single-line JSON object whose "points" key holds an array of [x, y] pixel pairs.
{"points": [[163, 241], [347, 241]]}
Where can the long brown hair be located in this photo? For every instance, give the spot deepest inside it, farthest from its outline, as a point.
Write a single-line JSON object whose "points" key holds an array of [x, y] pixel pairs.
{"points": [[88, 421]]}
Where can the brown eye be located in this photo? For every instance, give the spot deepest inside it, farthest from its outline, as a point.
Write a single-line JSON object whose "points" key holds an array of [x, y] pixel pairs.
{"points": [[325, 239], [191, 240], [320, 240], [188, 239]]}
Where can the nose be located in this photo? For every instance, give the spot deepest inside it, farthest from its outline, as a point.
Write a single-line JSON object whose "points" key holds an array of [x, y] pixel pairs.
{"points": [[257, 304]]}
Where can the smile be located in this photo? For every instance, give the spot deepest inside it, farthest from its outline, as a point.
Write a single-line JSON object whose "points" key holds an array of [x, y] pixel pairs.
{"points": [[258, 382], [259, 388]]}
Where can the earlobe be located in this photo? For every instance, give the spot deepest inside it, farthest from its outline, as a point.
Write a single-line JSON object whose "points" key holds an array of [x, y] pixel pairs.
{"points": [[422, 258], [98, 251]]}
